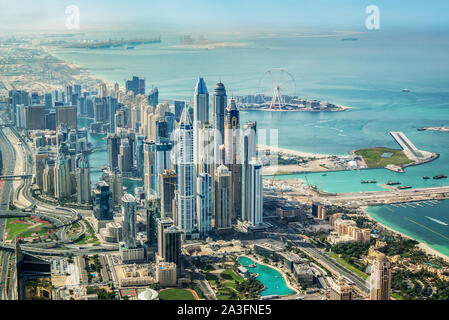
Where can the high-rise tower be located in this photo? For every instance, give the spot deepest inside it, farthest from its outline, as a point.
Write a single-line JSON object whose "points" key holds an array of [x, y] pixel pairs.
{"points": [[218, 114], [232, 155], [248, 152], [129, 221], [204, 204], [185, 174], [380, 279], [201, 103], [222, 200]]}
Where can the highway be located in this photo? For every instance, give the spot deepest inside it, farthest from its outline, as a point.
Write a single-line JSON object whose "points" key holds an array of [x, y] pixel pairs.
{"points": [[8, 161], [330, 264]]}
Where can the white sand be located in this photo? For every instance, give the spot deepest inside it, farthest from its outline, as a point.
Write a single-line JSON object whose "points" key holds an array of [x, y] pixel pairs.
{"points": [[293, 152], [425, 247]]}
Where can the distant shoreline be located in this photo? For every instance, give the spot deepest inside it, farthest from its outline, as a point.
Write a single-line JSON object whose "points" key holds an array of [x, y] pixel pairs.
{"points": [[440, 129]]}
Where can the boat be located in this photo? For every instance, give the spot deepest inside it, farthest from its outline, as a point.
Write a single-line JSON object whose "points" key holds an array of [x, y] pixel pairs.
{"points": [[391, 183], [252, 265], [405, 90], [437, 221], [404, 187], [130, 47], [441, 176], [324, 174], [426, 177], [368, 181]]}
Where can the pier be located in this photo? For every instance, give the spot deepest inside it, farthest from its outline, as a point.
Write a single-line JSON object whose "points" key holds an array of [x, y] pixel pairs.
{"points": [[408, 147]]}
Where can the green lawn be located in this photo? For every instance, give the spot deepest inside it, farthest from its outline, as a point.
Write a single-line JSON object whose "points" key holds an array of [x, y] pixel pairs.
{"points": [[229, 274], [19, 229], [348, 266], [397, 296], [89, 236], [373, 157], [176, 294]]}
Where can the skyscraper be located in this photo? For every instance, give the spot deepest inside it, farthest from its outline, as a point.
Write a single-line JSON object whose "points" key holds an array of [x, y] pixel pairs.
{"points": [[115, 180], [153, 205], [256, 193], [125, 163], [66, 116], [179, 108], [169, 242], [218, 112], [34, 117], [232, 155], [82, 179], [62, 177], [200, 118], [185, 174], [222, 200], [201, 103], [103, 206], [113, 151], [248, 152], [153, 97], [149, 167], [380, 279], [129, 221], [40, 162], [204, 204], [139, 155], [136, 85], [167, 188]]}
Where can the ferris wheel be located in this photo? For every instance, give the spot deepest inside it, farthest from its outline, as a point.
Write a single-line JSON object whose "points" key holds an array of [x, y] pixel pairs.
{"points": [[281, 83]]}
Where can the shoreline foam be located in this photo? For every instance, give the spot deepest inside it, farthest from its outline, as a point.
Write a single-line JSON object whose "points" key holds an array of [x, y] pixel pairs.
{"points": [[422, 245]]}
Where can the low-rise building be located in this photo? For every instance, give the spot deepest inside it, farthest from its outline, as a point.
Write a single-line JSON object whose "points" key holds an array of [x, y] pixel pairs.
{"points": [[166, 274]]}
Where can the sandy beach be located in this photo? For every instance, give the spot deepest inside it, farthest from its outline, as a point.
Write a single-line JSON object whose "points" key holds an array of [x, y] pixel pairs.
{"points": [[423, 246], [292, 152]]}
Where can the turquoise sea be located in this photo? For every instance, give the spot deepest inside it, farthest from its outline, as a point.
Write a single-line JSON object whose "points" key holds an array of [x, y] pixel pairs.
{"points": [[271, 278], [366, 75], [423, 222]]}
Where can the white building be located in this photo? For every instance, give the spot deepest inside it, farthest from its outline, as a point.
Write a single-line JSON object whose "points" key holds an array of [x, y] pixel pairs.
{"points": [[185, 174]]}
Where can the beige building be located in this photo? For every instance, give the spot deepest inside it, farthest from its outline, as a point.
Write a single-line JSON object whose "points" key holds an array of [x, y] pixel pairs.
{"points": [[340, 290], [347, 231], [380, 280], [166, 274]]}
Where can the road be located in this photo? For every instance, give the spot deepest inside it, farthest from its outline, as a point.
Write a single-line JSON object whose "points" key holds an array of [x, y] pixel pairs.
{"points": [[329, 263], [8, 161]]}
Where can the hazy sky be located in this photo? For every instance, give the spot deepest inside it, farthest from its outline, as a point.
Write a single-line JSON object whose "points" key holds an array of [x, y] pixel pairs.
{"points": [[28, 15]]}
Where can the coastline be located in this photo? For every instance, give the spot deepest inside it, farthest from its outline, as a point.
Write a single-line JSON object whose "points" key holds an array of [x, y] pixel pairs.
{"points": [[422, 245], [295, 153]]}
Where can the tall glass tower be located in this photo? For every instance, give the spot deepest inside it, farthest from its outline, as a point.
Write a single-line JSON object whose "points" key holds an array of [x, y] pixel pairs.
{"points": [[185, 174], [129, 221]]}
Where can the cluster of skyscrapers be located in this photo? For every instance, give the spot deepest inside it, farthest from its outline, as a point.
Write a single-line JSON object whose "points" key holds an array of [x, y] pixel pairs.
{"points": [[200, 171]]}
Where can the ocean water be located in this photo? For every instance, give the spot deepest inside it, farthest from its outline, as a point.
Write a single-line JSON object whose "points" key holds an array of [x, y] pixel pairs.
{"points": [[413, 220], [271, 278], [366, 75]]}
